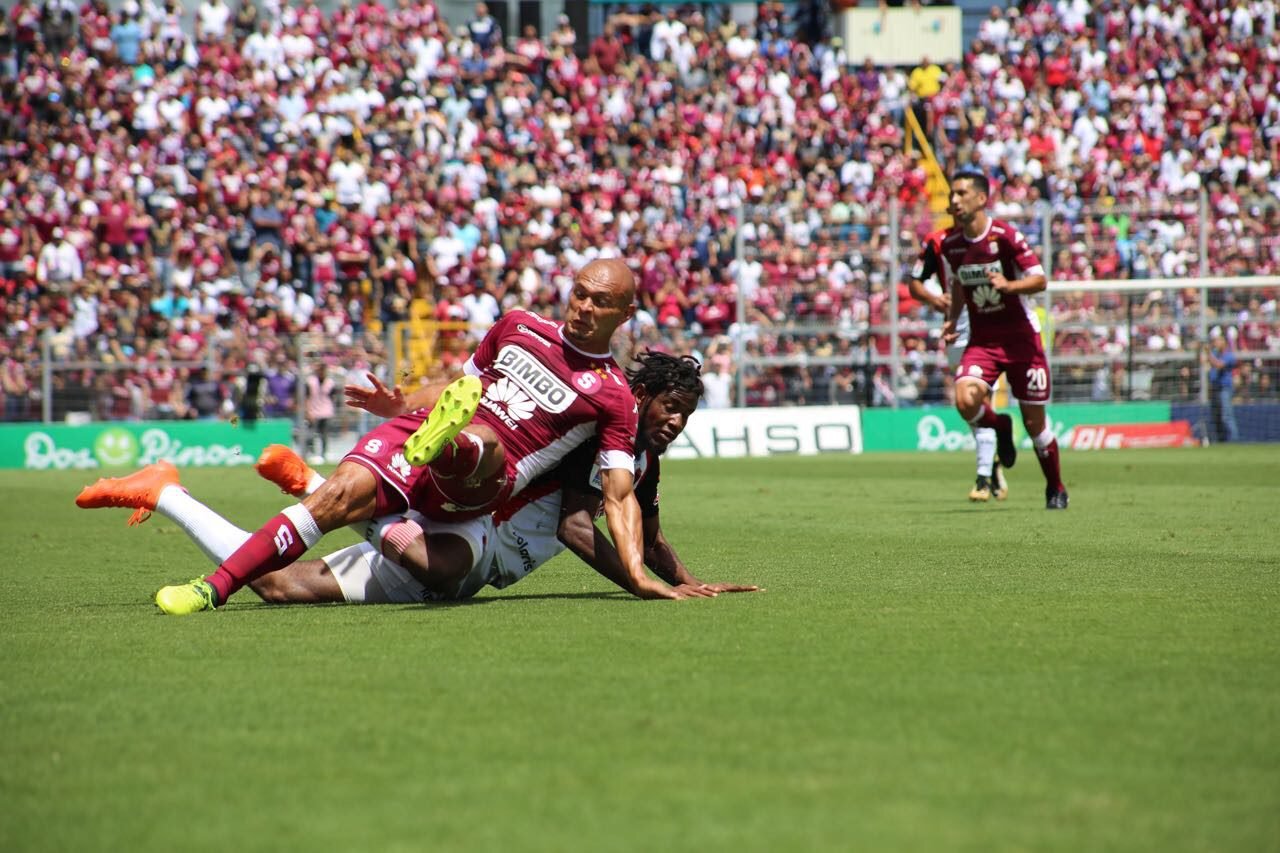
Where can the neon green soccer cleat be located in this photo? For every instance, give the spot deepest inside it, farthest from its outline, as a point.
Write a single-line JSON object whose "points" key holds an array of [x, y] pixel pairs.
{"points": [[185, 599], [453, 411]]}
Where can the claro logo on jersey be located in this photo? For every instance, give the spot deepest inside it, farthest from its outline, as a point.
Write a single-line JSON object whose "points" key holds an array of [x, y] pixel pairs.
{"points": [[534, 378]]}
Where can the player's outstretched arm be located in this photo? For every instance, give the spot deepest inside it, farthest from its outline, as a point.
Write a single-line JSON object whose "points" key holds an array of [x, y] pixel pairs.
{"points": [[949, 334], [661, 556], [579, 533], [622, 512], [391, 402]]}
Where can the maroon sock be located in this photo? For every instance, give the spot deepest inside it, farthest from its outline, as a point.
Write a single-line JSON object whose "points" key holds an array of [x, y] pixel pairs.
{"points": [[986, 418], [273, 546], [1048, 457], [459, 458]]}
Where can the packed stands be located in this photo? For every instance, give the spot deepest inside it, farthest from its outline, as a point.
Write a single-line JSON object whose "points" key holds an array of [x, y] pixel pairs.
{"points": [[175, 206]]}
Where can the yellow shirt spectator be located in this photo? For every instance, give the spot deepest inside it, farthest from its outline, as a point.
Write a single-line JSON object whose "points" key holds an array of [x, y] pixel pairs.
{"points": [[926, 80]]}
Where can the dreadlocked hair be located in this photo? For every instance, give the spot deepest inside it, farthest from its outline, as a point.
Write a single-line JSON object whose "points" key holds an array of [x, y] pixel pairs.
{"points": [[657, 372]]}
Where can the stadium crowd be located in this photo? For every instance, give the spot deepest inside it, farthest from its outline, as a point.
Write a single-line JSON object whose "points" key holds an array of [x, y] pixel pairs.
{"points": [[177, 205]]}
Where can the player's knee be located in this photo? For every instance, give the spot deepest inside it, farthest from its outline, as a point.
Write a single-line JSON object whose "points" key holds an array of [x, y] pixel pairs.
{"points": [[969, 395], [346, 497]]}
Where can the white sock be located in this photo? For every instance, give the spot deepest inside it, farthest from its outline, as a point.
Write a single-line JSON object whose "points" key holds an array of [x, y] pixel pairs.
{"points": [[306, 526], [984, 439], [213, 534], [1044, 439], [313, 484]]}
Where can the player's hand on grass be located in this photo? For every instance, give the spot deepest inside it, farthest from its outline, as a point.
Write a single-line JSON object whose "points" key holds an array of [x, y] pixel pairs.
{"points": [[379, 400], [688, 590]]}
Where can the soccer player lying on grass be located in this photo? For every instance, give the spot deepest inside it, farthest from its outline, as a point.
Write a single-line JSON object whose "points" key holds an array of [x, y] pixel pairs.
{"points": [[535, 389], [527, 533]]}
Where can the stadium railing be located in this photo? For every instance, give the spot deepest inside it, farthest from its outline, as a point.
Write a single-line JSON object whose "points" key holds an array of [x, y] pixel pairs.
{"points": [[83, 390], [1130, 303]]}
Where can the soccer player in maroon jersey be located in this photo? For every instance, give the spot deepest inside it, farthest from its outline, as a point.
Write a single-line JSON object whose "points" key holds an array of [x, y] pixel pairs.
{"points": [[991, 271], [556, 512], [990, 480], [534, 390]]}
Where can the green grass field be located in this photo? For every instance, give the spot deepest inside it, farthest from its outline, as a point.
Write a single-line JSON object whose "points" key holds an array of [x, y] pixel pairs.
{"points": [[921, 674]]}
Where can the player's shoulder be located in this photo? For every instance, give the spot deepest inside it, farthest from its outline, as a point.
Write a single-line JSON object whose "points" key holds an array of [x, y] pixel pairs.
{"points": [[951, 236], [521, 324], [1002, 230], [613, 383], [933, 240]]}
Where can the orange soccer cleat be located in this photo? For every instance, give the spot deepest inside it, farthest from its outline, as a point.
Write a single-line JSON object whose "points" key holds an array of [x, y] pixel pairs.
{"points": [[140, 490], [284, 467]]}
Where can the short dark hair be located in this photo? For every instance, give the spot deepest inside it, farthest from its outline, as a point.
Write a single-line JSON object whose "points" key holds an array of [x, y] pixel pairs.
{"points": [[657, 372], [980, 182]]}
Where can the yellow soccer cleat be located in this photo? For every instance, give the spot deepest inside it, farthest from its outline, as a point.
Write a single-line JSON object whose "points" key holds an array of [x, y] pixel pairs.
{"points": [[185, 599], [981, 491], [284, 467], [453, 411], [139, 491]]}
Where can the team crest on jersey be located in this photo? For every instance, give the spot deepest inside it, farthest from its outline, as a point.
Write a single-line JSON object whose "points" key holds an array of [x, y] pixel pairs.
{"points": [[588, 381], [534, 378]]}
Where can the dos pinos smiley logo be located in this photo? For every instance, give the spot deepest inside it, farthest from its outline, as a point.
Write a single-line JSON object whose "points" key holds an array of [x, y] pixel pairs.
{"points": [[116, 447]]}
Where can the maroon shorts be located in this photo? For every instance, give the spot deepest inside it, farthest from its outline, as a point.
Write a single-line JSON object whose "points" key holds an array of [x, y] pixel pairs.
{"points": [[401, 486], [1024, 364]]}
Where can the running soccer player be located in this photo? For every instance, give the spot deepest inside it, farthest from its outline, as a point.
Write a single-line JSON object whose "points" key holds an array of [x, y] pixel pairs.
{"points": [[534, 390], [990, 481], [522, 537], [991, 270]]}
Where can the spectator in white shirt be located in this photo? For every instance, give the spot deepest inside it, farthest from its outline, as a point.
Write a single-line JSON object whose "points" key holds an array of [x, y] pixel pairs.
{"points": [[482, 310], [211, 20], [741, 46], [59, 262], [263, 48], [666, 35], [995, 29]]}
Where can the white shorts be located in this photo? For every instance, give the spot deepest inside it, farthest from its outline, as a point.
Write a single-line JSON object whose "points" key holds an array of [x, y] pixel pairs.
{"points": [[367, 577], [525, 541], [501, 555]]}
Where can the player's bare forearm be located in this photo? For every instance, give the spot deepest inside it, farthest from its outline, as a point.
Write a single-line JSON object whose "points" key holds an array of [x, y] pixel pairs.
{"points": [[425, 396], [580, 535], [622, 512], [662, 558], [920, 293], [1027, 285], [390, 402]]}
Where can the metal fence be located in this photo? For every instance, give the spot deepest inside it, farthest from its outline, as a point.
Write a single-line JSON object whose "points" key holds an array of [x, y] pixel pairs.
{"points": [[824, 315]]}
